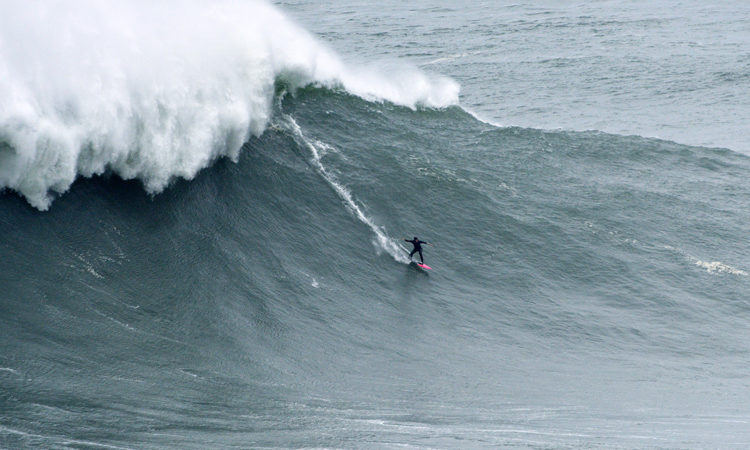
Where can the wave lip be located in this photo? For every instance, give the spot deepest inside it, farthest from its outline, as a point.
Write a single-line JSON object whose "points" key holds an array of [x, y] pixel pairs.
{"points": [[89, 87]]}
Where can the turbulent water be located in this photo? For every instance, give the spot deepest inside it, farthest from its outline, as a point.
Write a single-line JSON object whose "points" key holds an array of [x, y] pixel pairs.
{"points": [[202, 225]]}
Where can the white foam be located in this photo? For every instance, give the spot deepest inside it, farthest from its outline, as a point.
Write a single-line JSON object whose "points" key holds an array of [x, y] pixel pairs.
{"points": [[713, 267], [719, 267], [157, 90]]}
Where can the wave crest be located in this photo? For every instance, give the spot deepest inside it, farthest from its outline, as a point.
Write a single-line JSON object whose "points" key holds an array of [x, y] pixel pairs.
{"points": [[155, 91]]}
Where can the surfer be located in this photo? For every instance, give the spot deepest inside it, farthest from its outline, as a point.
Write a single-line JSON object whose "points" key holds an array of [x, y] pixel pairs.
{"points": [[417, 247]]}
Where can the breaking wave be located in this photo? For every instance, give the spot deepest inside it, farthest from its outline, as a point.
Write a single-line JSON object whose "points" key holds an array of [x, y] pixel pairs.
{"points": [[91, 87]]}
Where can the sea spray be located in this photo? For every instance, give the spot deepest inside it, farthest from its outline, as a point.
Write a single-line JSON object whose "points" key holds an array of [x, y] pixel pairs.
{"points": [[91, 87]]}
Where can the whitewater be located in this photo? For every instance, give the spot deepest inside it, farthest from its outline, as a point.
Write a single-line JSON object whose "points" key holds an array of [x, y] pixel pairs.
{"points": [[203, 207], [90, 87]]}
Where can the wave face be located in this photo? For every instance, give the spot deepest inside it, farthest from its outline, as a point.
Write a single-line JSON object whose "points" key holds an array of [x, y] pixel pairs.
{"points": [[584, 284], [156, 90], [588, 289]]}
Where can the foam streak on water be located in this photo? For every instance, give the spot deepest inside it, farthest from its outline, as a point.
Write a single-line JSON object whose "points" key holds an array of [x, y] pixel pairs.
{"points": [[381, 241]]}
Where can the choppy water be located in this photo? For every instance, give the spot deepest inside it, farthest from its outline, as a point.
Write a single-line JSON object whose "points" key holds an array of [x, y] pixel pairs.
{"points": [[675, 70], [590, 288]]}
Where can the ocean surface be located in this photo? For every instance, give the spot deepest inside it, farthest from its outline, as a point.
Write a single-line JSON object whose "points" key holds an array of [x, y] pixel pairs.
{"points": [[204, 207]]}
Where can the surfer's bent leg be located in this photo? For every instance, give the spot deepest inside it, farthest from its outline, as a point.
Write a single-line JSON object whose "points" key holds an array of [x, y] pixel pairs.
{"points": [[412, 253], [421, 257]]}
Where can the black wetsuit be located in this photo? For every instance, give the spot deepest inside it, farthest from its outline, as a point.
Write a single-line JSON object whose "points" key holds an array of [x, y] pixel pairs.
{"points": [[417, 248]]}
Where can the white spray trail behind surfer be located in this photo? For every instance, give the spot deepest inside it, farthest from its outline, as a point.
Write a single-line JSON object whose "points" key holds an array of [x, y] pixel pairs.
{"points": [[381, 241]]}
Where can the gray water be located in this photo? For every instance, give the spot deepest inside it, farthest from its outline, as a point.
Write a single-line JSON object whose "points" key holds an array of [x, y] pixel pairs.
{"points": [[676, 70], [202, 234]]}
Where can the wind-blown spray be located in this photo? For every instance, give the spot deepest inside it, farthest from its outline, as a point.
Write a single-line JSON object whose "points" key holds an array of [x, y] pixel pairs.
{"points": [[156, 90]]}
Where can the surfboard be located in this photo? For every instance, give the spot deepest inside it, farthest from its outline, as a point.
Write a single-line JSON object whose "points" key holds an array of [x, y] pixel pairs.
{"points": [[422, 266]]}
